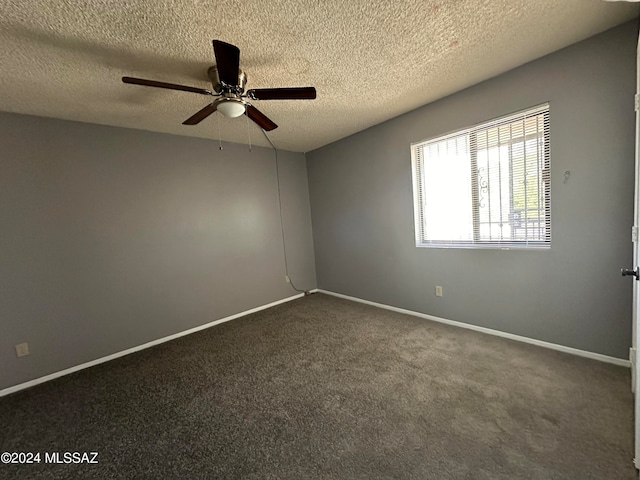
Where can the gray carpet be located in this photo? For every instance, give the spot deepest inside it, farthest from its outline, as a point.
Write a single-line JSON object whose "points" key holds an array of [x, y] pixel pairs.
{"points": [[326, 388]]}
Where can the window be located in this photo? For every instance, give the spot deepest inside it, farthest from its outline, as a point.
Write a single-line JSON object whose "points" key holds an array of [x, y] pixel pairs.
{"points": [[485, 186]]}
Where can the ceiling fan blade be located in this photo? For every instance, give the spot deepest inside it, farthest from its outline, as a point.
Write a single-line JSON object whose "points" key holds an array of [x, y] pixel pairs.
{"points": [[260, 118], [200, 115], [227, 62], [169, 86], [294, 93]]}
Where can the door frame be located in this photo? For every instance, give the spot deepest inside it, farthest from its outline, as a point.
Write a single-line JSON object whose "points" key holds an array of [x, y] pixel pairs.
{"points": [[635, 331]]}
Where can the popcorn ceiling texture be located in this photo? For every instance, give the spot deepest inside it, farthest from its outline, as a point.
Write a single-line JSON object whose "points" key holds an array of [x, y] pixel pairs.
{"points": [[370, 60]]}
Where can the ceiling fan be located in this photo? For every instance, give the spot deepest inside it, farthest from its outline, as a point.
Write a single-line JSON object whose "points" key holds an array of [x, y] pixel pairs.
{"points": [[228, 84]]}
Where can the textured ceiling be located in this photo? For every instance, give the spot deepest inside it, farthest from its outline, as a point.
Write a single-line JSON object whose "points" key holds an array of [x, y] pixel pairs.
{"points": [[369, 60]]}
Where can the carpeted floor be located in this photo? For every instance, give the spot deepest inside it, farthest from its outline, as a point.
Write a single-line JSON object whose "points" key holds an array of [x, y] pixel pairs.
{"points": [[326, 388]]}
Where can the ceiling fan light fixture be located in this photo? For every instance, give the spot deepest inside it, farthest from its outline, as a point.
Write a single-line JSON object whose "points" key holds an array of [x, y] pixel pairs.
{"points": [[231, 108]]}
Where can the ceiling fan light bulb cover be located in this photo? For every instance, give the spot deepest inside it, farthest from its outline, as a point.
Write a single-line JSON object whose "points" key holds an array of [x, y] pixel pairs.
{"points": [[231, 109]]}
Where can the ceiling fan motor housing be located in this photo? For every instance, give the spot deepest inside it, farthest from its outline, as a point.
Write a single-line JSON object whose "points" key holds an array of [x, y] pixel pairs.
{"points": [[219, 87]]}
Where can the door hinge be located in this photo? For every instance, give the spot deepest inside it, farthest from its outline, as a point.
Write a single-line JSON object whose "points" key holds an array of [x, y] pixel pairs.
{"points": [[634, 234], [636, 101]]}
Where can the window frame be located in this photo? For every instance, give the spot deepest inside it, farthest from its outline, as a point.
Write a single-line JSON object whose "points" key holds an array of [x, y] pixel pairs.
{"points": [[544, 181]]}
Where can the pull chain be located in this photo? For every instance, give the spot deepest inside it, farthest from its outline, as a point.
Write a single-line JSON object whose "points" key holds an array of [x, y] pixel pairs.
{"points": [[248, 130], [219, 136]]}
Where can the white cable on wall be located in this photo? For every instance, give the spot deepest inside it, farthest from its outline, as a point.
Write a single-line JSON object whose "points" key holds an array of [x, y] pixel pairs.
{"points": [[284, 243]]}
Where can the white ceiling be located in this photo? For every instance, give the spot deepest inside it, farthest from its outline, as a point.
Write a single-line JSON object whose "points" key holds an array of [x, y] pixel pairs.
{"points": [[370, 60]]}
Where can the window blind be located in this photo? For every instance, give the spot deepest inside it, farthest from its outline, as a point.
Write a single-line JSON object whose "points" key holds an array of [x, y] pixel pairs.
{"points": [[487, 185]]}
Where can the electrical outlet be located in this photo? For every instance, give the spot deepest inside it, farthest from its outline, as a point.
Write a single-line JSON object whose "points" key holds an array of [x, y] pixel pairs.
{"points": [[438, 291], [22, 349], [287, 279]]}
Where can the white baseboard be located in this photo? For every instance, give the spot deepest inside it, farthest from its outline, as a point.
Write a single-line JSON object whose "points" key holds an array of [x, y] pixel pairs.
{"points": [[540, 343], [113, 356], [553, 346]]}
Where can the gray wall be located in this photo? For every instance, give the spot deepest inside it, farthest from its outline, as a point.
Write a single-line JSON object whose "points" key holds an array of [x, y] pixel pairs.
{"points": [[573, 295], [112, 238]]}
